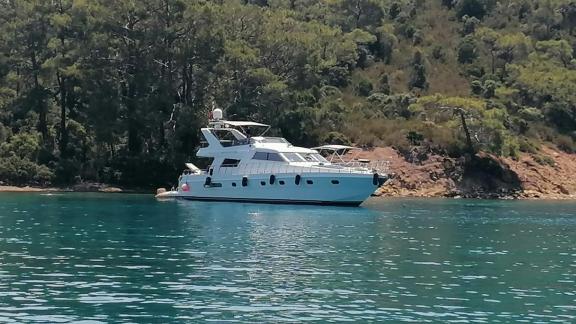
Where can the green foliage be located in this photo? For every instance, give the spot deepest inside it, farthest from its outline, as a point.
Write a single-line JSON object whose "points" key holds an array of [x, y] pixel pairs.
{"points": [[16, 170], [566, 144], [544, 160], [467, 51], [110, 90], [414, 138], [384, 85], [472, 8], [364, 88], [418, 74], [336, 138]]}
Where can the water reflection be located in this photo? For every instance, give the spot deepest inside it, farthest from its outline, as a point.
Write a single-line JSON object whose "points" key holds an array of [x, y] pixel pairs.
{"points": [[122, 258]]}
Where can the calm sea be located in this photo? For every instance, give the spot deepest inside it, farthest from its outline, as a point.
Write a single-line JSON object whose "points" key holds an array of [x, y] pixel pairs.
{"points": [[112, 258]]}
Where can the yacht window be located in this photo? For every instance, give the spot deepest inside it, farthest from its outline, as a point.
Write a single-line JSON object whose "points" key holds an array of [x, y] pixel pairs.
{"points": [[308, 157], [267, 156], [274, 157], [275, 140], [230, 163], [260, 156], [293, 157]]}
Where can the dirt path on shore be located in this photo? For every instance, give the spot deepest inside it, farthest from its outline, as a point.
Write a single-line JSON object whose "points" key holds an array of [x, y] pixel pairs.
{"points": [[25, 189]]}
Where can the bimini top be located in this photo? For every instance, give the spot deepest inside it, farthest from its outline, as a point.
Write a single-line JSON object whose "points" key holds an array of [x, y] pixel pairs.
{"points": [[334, 147]]}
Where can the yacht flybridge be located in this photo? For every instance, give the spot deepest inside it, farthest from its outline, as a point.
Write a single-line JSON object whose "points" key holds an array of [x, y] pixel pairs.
{"points": [[250, 167]]}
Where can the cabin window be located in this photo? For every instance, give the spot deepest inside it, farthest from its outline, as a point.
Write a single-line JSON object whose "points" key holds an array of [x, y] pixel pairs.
{"points": [[275, 157], [293, 157], [281, 182], [309, 182], [263, 183], [260, 156], [335, 182], [233, 184], [267, 156], [230, 163]]}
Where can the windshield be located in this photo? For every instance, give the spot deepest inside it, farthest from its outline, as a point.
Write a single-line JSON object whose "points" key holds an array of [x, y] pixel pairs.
{"points": [[313, 157], [293, 157], [308, 157], [319, 157], [305, 157], [275, 140]]}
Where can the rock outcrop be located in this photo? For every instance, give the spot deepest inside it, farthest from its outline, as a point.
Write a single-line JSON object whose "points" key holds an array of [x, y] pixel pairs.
{"points": [[481, 176]]}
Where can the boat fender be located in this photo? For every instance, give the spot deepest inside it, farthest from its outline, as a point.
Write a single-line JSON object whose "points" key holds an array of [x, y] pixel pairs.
{"points": [[272, 179], [185, 187], [297, 179], [375, 179], [244, 181], [208, 181]]}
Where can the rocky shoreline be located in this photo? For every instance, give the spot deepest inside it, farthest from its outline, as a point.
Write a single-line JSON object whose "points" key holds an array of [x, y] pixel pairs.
{"points": [[483, 177], [82, 187]]}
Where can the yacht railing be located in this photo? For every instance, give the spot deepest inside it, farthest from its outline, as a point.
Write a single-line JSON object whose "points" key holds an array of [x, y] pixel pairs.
{"points": [[282, 168], [380, 166]]}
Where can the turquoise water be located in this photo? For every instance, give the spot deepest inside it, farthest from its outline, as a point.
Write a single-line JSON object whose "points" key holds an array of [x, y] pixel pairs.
{"points": [[114, 258]]}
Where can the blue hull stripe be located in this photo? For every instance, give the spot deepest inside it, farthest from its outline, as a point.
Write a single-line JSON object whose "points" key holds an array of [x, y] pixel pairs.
{"points": [[277, 201]]}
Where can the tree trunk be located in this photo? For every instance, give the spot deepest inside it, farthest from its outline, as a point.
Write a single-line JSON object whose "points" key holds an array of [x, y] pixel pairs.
{"points": [[134, 143], [39, 101], [493, 62], [466, 131], [63, 142]]}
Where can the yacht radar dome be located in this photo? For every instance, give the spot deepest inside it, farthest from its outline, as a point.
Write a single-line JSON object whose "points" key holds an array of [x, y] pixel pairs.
{"points": [[217, 114]]}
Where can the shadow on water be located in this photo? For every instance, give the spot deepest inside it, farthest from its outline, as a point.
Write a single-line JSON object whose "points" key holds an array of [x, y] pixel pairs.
{"points": [[130, 258]]}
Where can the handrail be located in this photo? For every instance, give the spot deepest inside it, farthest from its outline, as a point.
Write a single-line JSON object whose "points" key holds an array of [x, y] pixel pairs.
{"points": [[252, 168], [377, 165]]}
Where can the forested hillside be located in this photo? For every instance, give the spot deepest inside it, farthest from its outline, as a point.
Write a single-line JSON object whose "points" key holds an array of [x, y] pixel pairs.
{"points": [[115, 90]]}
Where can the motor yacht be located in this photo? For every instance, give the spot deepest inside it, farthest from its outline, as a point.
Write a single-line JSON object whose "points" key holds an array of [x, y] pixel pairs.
{"points": [[250, 167]]}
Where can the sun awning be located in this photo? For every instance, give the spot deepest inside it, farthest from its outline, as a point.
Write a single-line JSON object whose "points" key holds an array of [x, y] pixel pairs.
{"points": [[193, 168], [243, 123], [334, 147]]}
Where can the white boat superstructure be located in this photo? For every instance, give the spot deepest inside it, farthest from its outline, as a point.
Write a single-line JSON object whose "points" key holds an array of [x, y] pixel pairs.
{"points": [[269, 169]]}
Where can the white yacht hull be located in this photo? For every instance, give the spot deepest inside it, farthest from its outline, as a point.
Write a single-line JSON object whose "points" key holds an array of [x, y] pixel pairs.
{"points": [[313, 188]]}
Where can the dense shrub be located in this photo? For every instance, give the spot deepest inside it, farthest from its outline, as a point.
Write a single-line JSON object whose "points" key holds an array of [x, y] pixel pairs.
{"points": [[18, 171], [566, 144]]}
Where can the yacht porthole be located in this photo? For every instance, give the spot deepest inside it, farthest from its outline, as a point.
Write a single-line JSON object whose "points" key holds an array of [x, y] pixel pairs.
{"points": [[281, 182], [309, 182], [233, 184], [263, 183], [335, 182]]}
